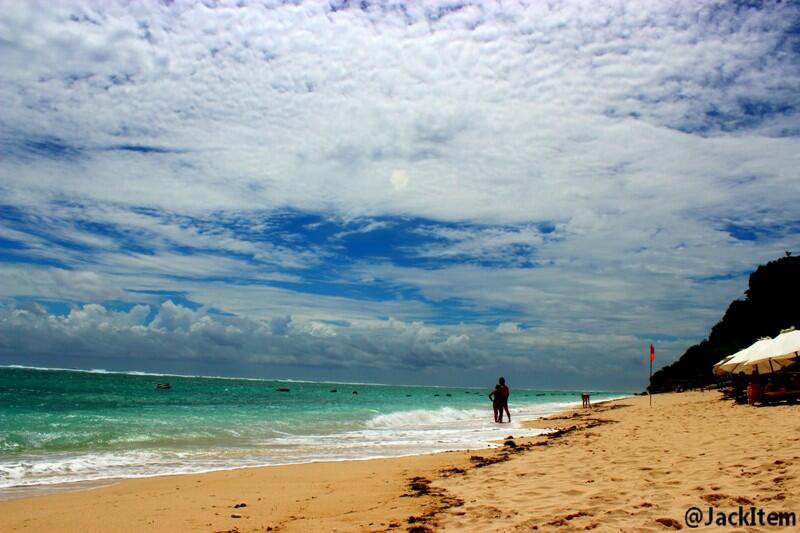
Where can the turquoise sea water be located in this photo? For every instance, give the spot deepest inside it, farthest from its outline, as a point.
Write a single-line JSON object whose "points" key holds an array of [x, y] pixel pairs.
{"points": [[61, 426]]}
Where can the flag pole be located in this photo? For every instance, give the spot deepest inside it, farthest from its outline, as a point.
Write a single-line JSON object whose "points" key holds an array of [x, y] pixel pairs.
{"points": [[650, 392]]}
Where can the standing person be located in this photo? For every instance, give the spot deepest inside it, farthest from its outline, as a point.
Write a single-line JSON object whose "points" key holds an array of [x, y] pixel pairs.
{"points": [[496, 405], [499, 398], [503, 393]]}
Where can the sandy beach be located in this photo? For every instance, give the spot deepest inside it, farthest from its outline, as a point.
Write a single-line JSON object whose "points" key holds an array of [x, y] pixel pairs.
{"points": [[622, 465]]}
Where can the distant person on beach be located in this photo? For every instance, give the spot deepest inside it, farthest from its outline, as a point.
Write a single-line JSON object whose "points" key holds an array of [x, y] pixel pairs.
{"points": [[499, 398], [754, 392]]}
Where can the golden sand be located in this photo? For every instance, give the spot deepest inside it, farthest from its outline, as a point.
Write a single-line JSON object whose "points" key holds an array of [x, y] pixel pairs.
{"points": [[619, 466]]}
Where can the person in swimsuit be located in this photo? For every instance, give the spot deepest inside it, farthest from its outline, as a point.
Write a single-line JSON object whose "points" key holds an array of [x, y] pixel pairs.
{"points": [[499, 398], [496, 406], [504, 393]]}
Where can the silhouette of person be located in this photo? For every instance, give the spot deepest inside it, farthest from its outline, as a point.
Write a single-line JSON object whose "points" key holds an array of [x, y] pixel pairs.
{"points": [[585, 400], [496, 406], [499, 398]]}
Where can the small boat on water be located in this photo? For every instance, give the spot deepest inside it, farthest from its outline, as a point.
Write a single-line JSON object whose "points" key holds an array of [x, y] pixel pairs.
{"points": [[163, 386]]}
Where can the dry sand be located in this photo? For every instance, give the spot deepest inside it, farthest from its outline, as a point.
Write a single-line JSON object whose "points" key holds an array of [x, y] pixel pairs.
{"points": [[620, 466], [631, 467]]}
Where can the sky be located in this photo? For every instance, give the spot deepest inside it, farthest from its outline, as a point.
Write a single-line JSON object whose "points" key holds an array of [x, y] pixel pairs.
{"points": [[399, 192]]}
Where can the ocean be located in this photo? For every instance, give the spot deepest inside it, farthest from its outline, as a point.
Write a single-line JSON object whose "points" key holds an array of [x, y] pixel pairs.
{"points": [[61, 426]]}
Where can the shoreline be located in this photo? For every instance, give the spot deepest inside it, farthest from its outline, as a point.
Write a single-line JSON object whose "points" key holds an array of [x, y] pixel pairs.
{"points": [[75, 508], [43, 489], [620, 465]]}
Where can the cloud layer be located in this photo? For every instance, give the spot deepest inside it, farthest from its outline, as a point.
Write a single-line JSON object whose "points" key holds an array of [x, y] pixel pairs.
{"points": [[535, 181]]}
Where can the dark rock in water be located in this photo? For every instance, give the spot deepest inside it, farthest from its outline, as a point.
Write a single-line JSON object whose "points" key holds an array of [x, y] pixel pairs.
{"points": [[466, 392], [510, 444], [436, 395], [282, 390], [448, 394], [355, 392], [334, 390], [408, 396]]}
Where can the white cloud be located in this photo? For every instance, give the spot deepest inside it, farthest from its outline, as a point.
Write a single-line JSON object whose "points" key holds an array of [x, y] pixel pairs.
{"points": [[319, 329], [56, 283], [532, 116], [365, 228], [507, 327], [635, 131], [180, 333]]}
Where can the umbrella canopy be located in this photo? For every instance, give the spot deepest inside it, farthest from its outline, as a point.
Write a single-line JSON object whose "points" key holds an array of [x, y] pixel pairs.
{"points": [[780, 352], [718, 367], [738, 361], [765, 355]]}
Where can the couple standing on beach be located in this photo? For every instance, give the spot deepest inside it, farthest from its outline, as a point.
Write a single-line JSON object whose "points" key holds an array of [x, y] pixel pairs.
{"points": [[499, 397]]}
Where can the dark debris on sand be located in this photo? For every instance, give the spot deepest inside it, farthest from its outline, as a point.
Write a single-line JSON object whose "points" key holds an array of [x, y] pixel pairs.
{"points": [[480, 461], [421, 486], [669, 522]]}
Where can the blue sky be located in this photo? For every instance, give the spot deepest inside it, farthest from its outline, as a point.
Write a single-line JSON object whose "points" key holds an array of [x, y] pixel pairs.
{"points": [[428, 192]]}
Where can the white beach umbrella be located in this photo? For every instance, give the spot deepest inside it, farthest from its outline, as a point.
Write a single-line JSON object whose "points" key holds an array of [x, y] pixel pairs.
{"points": [[718, 367], [776, 354], [738, 361]]}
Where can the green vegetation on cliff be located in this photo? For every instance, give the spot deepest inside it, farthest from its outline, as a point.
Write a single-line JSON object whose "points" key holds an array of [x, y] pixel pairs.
{"points": [[771, 303]]}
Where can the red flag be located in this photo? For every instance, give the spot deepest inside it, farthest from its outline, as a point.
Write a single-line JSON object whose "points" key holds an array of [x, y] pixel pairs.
{"points": [[652, 353]]}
